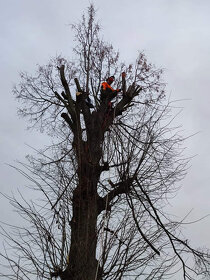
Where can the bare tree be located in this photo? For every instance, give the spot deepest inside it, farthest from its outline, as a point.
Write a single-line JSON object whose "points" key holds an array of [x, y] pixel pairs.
{"points": [[106, 179]]}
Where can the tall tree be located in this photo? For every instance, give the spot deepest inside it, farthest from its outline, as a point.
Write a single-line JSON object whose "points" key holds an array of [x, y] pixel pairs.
{"points": [[107, 177]]}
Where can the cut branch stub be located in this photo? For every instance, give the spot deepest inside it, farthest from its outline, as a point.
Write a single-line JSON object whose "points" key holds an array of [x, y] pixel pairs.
{"points": [[133, 90], [85, 109], [77, 85], [67, 94], [123, 83]]}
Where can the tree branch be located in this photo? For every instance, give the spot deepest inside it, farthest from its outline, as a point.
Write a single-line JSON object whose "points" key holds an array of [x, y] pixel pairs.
{"points": [[85, 108], [130, 203], [65, 116], [70, 106], [119, 188], [132, 91]]}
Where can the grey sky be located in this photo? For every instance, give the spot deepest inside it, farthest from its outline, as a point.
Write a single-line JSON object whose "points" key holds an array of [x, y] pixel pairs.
{"points": [[175, 35]]}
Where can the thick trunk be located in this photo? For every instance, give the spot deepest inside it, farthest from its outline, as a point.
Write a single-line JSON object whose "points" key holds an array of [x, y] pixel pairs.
{"points": [[82, 261], [86, 207], [82, 256]]}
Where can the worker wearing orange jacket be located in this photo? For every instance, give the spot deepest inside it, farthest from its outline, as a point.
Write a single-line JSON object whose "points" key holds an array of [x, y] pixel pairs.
{"points": [[107, 90]]}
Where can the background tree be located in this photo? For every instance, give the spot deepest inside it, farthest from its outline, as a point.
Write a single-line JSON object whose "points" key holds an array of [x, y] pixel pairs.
{"points": [[107, 176]]}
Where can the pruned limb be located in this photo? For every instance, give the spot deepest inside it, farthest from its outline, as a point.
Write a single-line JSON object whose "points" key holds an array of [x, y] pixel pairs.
{"points": [[77, 85], [85, 108], [123, 83], [132, 91], [70, 107]]}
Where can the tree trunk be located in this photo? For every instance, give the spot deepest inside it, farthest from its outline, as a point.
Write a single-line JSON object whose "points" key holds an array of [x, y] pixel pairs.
{"points": [[82, 256], [86, 207]]}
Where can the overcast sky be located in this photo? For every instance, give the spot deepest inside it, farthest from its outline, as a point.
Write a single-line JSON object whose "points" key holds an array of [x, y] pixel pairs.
{"points": [[174, 34]]}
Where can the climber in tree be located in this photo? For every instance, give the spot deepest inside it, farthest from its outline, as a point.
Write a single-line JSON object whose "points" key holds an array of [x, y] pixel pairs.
{"points": [[107, 91], [107, 94]]}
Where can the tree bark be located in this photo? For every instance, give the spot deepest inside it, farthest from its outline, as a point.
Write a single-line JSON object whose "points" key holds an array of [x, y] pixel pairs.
{"points": [[86, 207], [82, 255]]}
